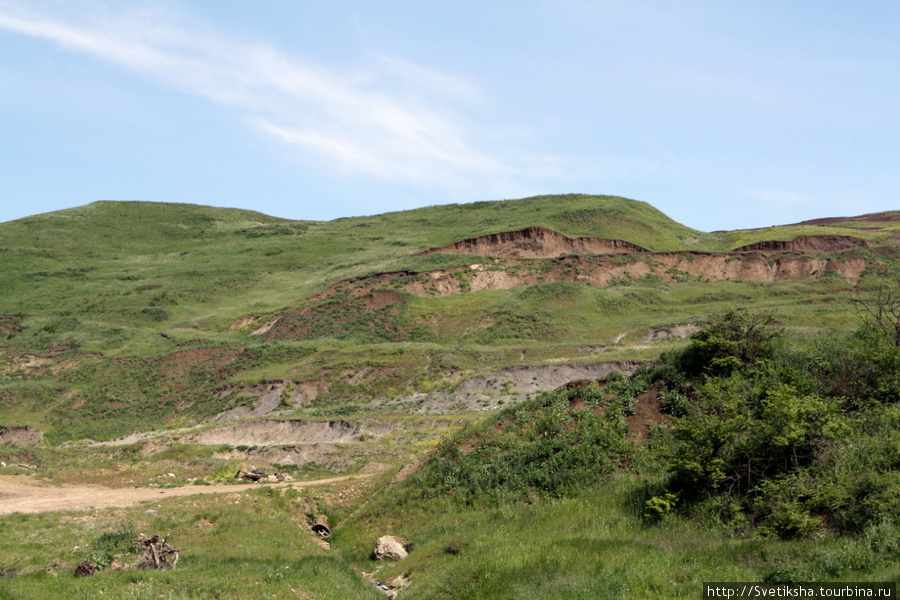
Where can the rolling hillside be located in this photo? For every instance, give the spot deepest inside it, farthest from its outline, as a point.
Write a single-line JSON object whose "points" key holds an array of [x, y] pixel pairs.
{"points": [[141, 315], [660, 406]]}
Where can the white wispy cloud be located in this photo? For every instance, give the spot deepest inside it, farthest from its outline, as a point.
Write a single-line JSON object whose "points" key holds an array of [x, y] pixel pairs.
{"points": [[395, 120]]}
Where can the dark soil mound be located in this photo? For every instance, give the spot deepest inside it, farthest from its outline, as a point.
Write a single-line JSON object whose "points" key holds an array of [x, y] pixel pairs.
{"points": [[884, 217]]}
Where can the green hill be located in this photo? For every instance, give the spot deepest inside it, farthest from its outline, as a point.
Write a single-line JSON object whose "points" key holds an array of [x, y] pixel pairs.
{"points": [[159, 345], [100, 297]]}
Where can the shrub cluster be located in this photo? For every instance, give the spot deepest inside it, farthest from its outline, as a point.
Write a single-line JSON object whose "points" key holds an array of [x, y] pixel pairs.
{"points": [[789, 437], [556, 445], [781, 437]]}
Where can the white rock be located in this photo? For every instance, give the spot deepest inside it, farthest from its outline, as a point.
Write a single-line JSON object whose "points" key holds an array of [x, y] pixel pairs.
{"points": [[389, 547]]}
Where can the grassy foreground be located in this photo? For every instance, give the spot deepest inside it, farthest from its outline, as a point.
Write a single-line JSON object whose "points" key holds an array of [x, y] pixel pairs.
{"points": [[257, 545]]}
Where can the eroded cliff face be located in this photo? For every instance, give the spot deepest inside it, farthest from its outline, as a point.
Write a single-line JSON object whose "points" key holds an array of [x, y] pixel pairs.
{"points": [[535, 242], [604, 271], [807, 243], [608, 269], [538, 255]]}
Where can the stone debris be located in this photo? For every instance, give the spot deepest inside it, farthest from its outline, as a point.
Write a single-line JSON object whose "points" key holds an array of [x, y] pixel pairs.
{"points": [[392, 585], [259, 475]]}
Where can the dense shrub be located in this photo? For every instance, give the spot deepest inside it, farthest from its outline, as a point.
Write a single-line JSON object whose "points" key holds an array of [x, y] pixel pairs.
{"points": [[557, 445], [792, 437]]}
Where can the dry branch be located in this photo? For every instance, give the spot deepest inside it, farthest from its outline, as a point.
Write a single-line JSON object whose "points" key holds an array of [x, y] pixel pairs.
{"points": [[158, 553]]}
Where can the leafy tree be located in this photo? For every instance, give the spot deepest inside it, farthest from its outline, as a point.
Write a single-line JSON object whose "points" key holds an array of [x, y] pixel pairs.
{"points": [[731, 341]]}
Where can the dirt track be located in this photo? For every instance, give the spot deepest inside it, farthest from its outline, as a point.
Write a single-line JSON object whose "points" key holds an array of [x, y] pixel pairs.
{"points": [[22, 494]]}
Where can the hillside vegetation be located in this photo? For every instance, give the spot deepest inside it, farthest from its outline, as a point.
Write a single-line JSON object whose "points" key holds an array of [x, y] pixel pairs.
{"points": [[598, 402], [141, 314], [767, 460]]}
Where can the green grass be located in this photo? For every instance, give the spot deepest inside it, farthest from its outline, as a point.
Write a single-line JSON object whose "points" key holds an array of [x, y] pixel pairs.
{"points": [[114, 295], [595, 544], [246, 545]]}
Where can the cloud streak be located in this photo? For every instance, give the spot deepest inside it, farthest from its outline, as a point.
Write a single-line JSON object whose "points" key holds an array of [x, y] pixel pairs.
{"points": [[399, 122]]}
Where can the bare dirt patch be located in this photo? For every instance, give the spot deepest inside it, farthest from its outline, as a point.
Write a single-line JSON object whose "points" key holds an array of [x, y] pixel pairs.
{"points": [[21, 436], [684, 330], [268, 432], [267, 399], [24, 494], [182, 363], [381, 298], [647, 412], [750, 263], [325, 455], [508, 386], [11, 325]]}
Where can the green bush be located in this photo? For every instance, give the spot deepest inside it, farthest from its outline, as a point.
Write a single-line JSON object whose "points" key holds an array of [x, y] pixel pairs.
{"points": [[541, 448], [730, 341], [113, 543], [659, 507]]}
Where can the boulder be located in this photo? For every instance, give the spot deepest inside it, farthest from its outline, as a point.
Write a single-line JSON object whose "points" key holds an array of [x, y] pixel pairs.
{"points": [[389, 547]]}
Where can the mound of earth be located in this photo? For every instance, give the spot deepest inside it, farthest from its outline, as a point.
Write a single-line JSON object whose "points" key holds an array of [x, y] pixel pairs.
{"points": [[807, 243], [21, 436], [535, 242], [269, 432], [883, 217]]}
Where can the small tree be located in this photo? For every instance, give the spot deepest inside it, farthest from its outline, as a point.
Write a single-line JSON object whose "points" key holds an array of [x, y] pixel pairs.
{"points": [[731, 341], [877, 303]]}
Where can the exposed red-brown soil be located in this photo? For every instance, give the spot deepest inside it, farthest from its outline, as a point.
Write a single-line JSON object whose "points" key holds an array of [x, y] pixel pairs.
{"points": [[11, 325], [381, 298], [535, 242], [602, 271], [538, 255], [646, 413], [885, 217], [807, 243], [361, 309], [181, 363], [591, 261]]}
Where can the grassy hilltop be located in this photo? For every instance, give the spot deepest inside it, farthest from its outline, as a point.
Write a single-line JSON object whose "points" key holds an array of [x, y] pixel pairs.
{"points": [[147, 342], [98, 300]]}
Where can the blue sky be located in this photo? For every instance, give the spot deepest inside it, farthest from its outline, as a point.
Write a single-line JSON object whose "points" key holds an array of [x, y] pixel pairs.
{"points": [[721, 114]]}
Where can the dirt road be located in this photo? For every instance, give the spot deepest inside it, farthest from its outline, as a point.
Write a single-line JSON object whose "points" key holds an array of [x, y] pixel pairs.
{"points": [[23, 494]]}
